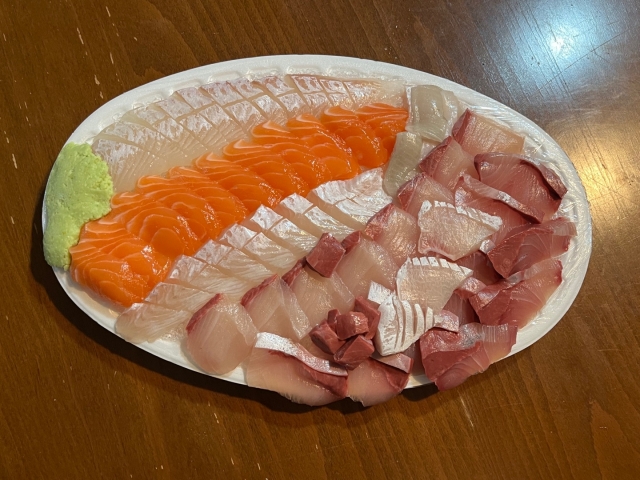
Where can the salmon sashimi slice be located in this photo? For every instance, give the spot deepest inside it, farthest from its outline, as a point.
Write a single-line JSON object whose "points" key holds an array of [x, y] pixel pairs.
{"points": [[365, 146], [385, 120], [270, 166], [220, 336], [156, 224], [229, 209], [250, 188], [114, 239], [108, 276], [182, 200]]}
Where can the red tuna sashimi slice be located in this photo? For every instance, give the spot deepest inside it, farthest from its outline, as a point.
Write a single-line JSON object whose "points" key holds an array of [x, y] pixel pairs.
{"points": [[453, 231], [275, 309], [373, 382], [475, 194], [194, 273], [317, 294], [517, 304], [531, 244], [450, 358], [282, 231], [403, 162], [396, 231], [366, 262], [478, 134], [420, 189], [146, 322], [446, 162], [522, 179], [433, 111], [308, 217], [258, 246], [325, 255], [220, 336], [429, 282], [270, 368]]}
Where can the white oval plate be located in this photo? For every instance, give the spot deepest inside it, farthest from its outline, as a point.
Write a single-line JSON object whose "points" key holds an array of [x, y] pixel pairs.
{"points": [[539, 145]]}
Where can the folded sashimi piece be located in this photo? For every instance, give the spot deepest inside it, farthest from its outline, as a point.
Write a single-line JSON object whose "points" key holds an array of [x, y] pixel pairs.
{"points": [[525, 180], [446, 162], [429, 281], [308, 217], [517, 299], [147, 322], [433, 111], [258, 246], [403, 162], [317, 295], [531, 244], [275, 309], [479, 134], [195, 273], [450, 358], [396, 231], [475, 194], [220, 336], [233, 262], [364, 263], [373, 382], [420, 189], [453, 231], [282, 231], [285, 367]]}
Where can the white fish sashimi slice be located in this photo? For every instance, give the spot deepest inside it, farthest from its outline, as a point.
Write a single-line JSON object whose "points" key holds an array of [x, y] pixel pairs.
{"points": [[220, 336], [366, 190], [308, 217], [233, 262], [367, 262], [433, 111], [234, 104], [136, 134], [419, 189], [122, 160], [178, 297], [317, 295], [262, 99], [274, 308], [453, 231], [195, 273], [429, 281], [345, 211], [146, 322], [289, 97], [366, 91], [396, 231], [401, 324], [403, 162]]}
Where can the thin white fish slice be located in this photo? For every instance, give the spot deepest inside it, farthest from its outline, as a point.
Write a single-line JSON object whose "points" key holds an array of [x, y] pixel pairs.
{"points": [[239, 109], [262, 99], [233, 262], [433, 111], [178, 297], [120, 157], [290, 98], [146, 322], [308, 217], [403, 162]]}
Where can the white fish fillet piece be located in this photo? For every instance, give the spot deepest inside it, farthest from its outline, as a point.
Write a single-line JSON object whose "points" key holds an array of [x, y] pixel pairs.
{"points": [[396, 231], [232, 261], [121, 159], [453, 231], [178, 297], [275, 309], [308, 217], [289, 97], [262, 99], [234, 104], [220, 336], [429, 281], [432, 112], [146, 322], [401, 324], [403, 162]]}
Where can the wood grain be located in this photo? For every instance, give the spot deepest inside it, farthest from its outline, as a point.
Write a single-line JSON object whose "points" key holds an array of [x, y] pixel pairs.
{"points": [[78, 402]]}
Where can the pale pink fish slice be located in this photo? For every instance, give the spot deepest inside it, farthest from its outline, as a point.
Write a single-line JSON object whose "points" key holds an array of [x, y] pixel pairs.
{"points": [[479, 134], [403, 162], [233, 262], [453, 231], [429, 281], [367, 262], [433, 112], [275, 309], [289, 97], [396, 231], [195, 273], [282, 231], [220, 336], [373, 382], [447, 162], [420, 189], [146, 322], [366, 190], [261, 248], [307, 216], [287, 368], [317, 295], [238, 108]]}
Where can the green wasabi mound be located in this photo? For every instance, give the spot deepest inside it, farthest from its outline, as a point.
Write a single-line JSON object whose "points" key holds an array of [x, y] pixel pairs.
{"points": [[79, 190]]}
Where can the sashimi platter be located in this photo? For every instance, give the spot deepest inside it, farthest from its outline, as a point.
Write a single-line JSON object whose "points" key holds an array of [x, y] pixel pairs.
{"points": [[322, 227]]}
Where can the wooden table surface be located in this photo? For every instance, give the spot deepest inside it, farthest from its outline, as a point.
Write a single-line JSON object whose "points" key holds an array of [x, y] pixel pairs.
{"points": [[77, 402]]}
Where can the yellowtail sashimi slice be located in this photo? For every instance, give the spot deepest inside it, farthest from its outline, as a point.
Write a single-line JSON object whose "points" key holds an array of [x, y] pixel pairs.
{"points": [[259, 247], [453, 231], [146, 322], [220, 336], [275, 309], [396, 231], [308, 217], [373, 382], [419, 189], [433, 112], [429, 281], [194, 273]]}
